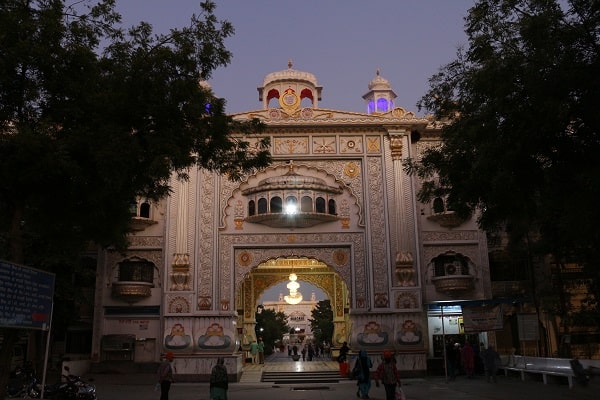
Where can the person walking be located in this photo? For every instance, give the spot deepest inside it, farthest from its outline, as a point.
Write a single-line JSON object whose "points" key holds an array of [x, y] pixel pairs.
{"points": [[165, 375], [219, 381], [254, 351], [491, 361], [261, 351], [310, 351], [452, 360], [343, 359], [362, 372], [388, 373], [467, 357]]}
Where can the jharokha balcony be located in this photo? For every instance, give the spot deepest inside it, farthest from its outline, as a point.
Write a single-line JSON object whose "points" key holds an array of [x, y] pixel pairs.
{"points": [[131, 291], [453, 285]]}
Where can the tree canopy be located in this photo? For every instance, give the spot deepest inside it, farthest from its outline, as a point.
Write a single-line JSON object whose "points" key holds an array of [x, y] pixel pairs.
{"points": [[271, 325], [521, 140], [93, 115], [321, 322]]}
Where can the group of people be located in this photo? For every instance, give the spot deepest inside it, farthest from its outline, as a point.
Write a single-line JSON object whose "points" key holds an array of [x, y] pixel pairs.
{"points": [[468, 357], [386, 372], [257, 351], [308, 351], [219, 379]]}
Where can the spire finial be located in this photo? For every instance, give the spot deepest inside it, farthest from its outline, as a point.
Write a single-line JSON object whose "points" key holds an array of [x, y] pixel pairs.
{"points": [[377, 72], [290, 63]]}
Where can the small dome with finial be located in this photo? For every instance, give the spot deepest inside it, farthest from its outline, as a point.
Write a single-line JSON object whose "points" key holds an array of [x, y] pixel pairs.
{"points": [[290, 74], [379, 82]]}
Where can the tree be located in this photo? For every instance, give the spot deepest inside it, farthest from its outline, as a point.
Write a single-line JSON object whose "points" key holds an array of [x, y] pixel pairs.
{"points": [[93, 116], [321, 322], [521, 140], [271, 326]]}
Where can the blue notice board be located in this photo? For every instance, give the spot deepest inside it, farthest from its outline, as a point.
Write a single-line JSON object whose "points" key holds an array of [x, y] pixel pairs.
{"points": [[25, 296]]}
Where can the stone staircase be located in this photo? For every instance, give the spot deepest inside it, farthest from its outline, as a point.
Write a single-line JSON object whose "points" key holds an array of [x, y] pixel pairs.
{"points": [[295, 377]]}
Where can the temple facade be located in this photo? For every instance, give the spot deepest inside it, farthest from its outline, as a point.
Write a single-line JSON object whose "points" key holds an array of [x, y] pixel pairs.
{"points": [[335, 209]]}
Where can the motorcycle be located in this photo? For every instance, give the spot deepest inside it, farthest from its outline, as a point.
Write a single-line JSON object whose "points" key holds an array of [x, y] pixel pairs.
{"points": [[21, 380], [71, 387]]}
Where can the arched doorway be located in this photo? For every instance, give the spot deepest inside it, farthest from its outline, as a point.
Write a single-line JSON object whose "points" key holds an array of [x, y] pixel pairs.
{"points": [[276, 270]]}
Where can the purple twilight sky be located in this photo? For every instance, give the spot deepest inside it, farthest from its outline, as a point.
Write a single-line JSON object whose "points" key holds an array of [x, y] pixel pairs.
{"points": [[341, 42]]}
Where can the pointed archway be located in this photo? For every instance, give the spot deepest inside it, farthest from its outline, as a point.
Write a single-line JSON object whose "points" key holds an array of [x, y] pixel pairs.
{"points": [[275, 270]]}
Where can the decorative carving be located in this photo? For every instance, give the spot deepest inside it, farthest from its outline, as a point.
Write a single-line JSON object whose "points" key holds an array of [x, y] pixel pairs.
{"points": [[204, 303], [381, 300], [373, 144], [340, 257], [245, 259], [178, 305], [351, 145], [351, 170], [290, 145], [224, 305], [405, 270], [407, 301], [131, 292], [324, 145], [345, 222], [431, 236], [239, 224], [180, 274], [453, 285], [380, 263], [396, 146]]}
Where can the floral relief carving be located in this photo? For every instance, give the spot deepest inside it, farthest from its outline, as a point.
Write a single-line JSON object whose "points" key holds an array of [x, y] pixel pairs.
{"points": [[378, 243], [434, 236], [178, 304]]}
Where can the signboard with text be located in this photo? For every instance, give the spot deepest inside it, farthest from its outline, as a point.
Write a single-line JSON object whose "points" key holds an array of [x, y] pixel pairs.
{"points": [[25, 296], [482, 319]]}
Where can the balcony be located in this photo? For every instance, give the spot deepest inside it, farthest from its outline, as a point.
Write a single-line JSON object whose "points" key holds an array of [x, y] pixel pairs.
{"points": [[131, 291], [140, 223], [453, 285], [446, 219], [295, 220]]}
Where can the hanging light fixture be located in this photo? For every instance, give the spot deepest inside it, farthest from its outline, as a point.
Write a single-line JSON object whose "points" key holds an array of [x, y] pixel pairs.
{"points": [[295, 296]]}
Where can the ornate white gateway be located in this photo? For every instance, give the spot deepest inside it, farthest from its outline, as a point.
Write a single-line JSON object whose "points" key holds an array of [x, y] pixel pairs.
{"points": [[336, 193]]}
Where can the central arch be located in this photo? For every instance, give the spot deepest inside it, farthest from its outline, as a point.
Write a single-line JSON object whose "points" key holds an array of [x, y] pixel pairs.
{"points": [[267, 273]]}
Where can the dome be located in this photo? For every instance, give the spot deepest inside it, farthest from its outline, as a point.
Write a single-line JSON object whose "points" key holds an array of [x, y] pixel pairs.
{"points": [[379, 83], [292, 181], [290, 74]]}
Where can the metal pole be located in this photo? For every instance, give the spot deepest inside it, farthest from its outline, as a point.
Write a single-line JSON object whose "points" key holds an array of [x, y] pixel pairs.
{"points": [[444, 345], [46, 355]]}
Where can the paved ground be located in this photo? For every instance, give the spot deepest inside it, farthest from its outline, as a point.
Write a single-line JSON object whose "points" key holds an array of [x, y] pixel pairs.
{"points": [[141, 386]]}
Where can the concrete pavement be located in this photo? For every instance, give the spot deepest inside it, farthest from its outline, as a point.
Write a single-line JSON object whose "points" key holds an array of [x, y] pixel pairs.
{"points": [[141, 386]]}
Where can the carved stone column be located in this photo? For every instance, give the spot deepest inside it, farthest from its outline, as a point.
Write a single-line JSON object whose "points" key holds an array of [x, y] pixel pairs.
{"points": [[405, 272], [180, 267]]}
